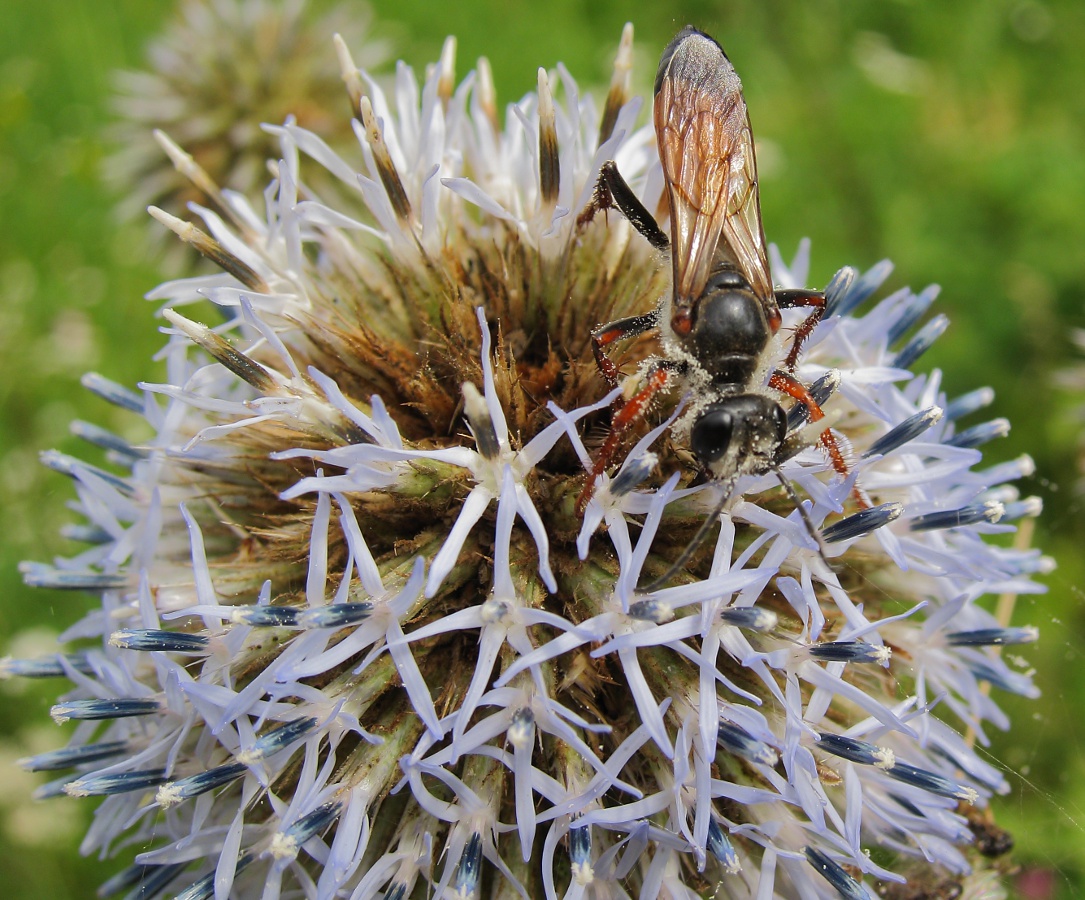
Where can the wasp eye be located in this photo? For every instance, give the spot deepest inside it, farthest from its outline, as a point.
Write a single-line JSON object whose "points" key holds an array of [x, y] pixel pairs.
{"points": [[779, 422], [711, 434]]}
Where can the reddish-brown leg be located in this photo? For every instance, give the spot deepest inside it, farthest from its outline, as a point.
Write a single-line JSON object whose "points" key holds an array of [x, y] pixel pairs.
{"points": [[788, 384], [792, 299], [624, 419]]}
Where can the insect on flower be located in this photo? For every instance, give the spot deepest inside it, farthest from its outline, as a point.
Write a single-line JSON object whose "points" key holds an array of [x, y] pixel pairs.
{"points": [[718, 321]]}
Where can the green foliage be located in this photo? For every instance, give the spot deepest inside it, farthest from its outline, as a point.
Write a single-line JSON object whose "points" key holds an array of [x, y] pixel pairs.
{"points": [[949, 137]]}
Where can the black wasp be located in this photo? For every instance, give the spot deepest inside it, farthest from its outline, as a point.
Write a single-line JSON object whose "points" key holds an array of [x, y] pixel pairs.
{"points": [[717, 323]]}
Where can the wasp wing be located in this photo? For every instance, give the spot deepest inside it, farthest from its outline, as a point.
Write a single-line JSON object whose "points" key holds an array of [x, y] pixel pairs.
{"points": [[706, 148]]}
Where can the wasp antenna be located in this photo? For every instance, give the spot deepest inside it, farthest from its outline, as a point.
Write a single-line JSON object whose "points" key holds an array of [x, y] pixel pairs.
{"points": [[698, 539], [810, 529]]}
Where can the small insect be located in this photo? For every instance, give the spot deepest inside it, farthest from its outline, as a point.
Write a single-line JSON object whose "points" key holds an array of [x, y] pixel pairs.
{"points": [[717, 323]]}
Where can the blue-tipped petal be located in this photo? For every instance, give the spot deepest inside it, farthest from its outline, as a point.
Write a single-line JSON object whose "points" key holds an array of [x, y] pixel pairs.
{"points": [[987, 511], [859, 290], [266, 616], [931, 782], [174, 792], [834, 873], [921, 342], [863, 522], [966, 404], [397, 891], [44, 666], [849, 651], [1001, 678], [148, 881], [741, 743], [750, 618], [906, 431], [155, 640], [912, 312], [67, 757], [720, 846], [580, 845], [112, 392], [338, 615], [204, 889], [469, 868], [978, 435], [314, 822], [986, 637], [522, 727], [85, 534], [862, 752], [115, 783], [656, 611], [632, 474], [278, 739], [71, 466], [107, 440], [92, 710], [838, 287], [42, 576]]}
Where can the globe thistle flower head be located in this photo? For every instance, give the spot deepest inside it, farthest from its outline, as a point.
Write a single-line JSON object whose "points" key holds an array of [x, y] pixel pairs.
{"points": [[356, 637], [214, 77]]}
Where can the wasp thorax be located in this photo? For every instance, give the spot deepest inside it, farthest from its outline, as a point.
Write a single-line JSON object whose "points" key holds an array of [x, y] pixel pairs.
{"points": [[750, 425], [729, 332]]}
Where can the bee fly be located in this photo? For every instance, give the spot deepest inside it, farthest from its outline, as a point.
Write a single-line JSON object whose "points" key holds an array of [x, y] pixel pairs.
{"points": [[717, 323]]}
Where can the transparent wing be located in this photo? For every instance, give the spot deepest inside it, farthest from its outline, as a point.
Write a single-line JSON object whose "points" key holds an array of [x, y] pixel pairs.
{"points": [[706, 148]]}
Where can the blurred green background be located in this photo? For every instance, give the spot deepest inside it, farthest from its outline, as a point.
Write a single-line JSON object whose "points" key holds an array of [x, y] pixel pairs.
{"points": [[947, 136]]}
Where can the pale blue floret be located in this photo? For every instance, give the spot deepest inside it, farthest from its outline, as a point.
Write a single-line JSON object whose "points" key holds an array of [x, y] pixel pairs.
{"points": [[204, 889], [115, 783], [113, 393], [966, 404], [153, 640], [858, 751], [68, 757], [836, 875], [921, 342], [201, 783], [91, 710], [909, 314], [114, 444], [973, 514], [906, 431], [862, 523], [737, 740], [281, 737], [59, 665], [978, 435], [149, 880]]}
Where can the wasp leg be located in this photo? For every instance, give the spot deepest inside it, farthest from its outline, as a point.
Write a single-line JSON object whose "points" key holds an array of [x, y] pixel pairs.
{"points": [[615, 331], [655, 380], [788, 384], [612, 192], [791, 299]]}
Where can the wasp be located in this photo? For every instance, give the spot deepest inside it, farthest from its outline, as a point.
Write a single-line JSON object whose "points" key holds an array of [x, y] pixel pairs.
{"points": [[716, 325]]}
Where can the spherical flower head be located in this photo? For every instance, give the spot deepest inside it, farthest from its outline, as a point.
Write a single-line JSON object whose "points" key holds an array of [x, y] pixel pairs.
{"points": [[221, 70], [358, 638]]}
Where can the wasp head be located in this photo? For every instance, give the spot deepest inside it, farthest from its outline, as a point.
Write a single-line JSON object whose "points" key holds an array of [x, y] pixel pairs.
{"points": [[739, 435]]}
